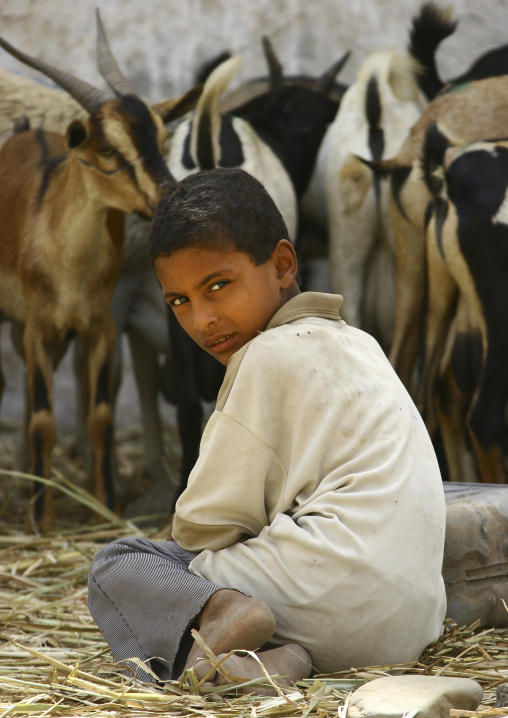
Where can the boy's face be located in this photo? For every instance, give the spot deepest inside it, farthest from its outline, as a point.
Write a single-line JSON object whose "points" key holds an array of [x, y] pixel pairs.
{"points": [[221, 298]]}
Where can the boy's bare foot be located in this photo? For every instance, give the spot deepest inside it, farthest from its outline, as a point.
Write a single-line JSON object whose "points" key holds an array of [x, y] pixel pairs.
{"points": [[231, 620], [290, 662]]}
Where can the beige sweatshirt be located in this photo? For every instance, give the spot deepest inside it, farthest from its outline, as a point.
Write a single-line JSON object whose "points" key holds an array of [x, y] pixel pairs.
{"points": [[317, 489]]}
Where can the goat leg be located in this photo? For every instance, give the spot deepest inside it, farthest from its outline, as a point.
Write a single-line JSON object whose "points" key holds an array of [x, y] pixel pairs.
{"points": [[42, 427], [145, 364], [486, 415], [99, 347]]}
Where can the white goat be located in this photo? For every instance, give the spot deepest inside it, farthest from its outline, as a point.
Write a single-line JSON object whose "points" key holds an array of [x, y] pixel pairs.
{"points": [[374, 117]]}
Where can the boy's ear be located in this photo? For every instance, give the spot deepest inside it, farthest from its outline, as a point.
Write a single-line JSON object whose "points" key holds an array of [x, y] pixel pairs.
{"points": [[286, 264]]}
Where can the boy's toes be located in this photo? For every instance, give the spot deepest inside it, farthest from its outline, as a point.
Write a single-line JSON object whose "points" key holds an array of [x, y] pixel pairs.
{"points": [[203, 670]]}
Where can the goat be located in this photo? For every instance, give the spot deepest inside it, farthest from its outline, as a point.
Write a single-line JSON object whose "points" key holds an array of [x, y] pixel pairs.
{"points": [[343, 203], [472, 111], [137, 307], [259, 86], [376, 111], [58, 263], [467, 271]]}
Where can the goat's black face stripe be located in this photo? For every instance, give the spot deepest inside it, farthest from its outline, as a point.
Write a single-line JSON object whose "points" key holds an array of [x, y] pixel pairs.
{"points": [[41, 397], [143, 134]]}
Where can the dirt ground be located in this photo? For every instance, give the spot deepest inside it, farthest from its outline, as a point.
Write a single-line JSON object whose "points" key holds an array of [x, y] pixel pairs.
{"points": [[131, 485]]}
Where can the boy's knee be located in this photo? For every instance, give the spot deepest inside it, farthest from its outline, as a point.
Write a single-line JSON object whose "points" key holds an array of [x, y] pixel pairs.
{"points": [[108, 556]]}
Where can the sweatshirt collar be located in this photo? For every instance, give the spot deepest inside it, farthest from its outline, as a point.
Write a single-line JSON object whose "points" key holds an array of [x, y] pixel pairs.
{"points": [[307, 304]]}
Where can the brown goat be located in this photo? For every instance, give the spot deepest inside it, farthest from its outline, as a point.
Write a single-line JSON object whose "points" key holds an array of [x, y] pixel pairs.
{"points": [[58, 263]]}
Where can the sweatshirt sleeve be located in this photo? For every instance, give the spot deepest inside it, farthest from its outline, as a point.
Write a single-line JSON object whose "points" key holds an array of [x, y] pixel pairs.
{"points": [[226, 496]]}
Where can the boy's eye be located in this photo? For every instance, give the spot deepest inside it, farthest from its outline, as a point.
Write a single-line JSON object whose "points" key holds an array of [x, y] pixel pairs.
{"points": [[217, 285], [178, 300]]}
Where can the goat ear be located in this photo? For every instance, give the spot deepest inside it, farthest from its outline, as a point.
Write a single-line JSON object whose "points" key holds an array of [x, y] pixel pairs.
{"points": [[173, 109], [76, 134]]}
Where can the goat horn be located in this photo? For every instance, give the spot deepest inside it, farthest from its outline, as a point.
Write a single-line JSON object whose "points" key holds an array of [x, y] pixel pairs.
{"points": [[88, 96], [107, 64], [325, 82], [274, 66]]}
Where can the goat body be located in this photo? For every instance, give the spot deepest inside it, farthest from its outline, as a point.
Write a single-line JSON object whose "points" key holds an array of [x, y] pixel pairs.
{"points": [[41, 104], [472, 112], [58, 262], [59, 266], [375, 114], [466, 317]]}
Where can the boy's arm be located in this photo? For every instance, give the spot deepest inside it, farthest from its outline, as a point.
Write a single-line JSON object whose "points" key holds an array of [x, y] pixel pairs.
{"points": [[225, 500]]}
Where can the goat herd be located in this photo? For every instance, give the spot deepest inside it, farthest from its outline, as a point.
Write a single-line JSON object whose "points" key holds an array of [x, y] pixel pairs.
{"points": [[396, 185]]}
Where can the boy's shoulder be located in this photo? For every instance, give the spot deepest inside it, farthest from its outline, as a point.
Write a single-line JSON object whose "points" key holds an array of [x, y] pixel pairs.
{"points": [[306, 308], [306, 334]]}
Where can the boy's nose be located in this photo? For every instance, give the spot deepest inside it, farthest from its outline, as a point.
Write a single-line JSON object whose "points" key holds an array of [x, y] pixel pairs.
{"points": [[203, 317]]}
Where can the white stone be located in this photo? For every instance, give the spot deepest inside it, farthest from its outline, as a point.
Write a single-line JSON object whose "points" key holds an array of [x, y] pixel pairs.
{"points": [[418, 696], [502, 695]]}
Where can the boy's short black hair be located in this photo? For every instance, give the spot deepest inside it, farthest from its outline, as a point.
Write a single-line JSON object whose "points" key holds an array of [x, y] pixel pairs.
{"points": [[217, 209]]}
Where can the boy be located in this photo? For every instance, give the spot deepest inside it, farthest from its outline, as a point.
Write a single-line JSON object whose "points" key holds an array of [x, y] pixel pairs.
{"points": [[313, 522]]}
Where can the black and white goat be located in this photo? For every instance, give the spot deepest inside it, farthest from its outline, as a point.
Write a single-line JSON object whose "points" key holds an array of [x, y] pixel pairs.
{"points": [[466, 343]]}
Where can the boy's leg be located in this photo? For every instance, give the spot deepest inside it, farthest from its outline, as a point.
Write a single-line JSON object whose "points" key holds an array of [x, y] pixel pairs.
{"points": [[231, 620], [291, 662], [145, 601]]}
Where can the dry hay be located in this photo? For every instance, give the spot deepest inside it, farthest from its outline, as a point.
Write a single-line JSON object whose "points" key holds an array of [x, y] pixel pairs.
{"points": [[54, 661]]}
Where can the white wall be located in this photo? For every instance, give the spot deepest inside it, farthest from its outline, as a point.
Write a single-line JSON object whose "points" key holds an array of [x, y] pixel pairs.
{"points": [[160, 43]]}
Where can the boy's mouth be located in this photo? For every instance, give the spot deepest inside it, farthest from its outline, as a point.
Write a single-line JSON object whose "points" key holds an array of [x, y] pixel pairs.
{"points": [[221, 343]]}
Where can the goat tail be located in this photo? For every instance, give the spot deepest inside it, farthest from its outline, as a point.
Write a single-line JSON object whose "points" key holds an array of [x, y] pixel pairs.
{"points": [[220, 79], [206, 125], [428, 30]]}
